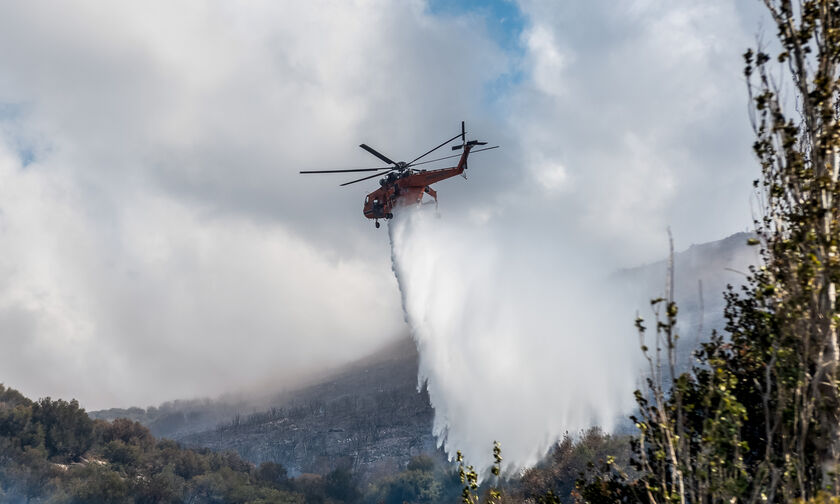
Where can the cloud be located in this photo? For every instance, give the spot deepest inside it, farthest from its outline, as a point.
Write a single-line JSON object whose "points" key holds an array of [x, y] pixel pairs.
{"points": [[155, 228], [548, 74], [643, 104], [160, 243], [163, 299], [225, 103]]}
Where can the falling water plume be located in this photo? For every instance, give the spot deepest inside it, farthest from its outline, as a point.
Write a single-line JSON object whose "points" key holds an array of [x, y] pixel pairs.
{"points": [[520, 340]]}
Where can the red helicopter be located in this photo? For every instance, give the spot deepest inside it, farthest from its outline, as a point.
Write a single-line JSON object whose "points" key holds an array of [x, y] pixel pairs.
{"points": [[404, 185]]}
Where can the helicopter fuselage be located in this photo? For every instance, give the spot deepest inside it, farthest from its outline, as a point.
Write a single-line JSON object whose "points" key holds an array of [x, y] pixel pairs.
{"points": [[407, 188], [402, 184]]}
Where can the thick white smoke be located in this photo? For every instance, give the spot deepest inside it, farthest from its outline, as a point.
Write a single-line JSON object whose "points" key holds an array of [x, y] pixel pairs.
{"points": [[520, 340]]}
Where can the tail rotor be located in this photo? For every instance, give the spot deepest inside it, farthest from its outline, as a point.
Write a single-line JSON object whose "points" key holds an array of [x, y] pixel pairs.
{"points": [[463, 138], [465, 143]]}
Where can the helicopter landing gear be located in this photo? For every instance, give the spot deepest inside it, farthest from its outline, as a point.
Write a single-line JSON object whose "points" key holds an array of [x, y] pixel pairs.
{"points": [[431, 192], [376, 223]]}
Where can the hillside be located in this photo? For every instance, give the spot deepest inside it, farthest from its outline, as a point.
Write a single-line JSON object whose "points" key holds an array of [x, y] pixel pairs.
{"points": [[369, 415], [53, 452]]}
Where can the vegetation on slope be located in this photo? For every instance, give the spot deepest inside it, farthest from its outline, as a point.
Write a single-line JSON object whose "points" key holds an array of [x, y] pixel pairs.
{"points": [[51, 451], [758, 418]]}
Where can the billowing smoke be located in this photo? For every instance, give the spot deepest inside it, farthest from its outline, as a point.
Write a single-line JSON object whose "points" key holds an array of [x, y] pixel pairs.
{"points": [[520, 337]]}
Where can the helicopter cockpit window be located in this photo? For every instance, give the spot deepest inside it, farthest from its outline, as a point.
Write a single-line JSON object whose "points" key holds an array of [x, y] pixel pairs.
{"points": [[367, 199]]}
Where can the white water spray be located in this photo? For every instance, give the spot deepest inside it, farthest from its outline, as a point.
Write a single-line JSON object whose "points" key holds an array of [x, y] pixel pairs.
{"points": [[518, 342]]}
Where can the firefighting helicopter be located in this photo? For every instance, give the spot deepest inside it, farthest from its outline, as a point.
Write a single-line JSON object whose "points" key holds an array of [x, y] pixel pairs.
{"points": [[404, 185]]}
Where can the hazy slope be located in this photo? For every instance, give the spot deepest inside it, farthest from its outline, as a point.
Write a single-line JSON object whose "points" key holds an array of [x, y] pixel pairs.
{"points": [[370, 415]]}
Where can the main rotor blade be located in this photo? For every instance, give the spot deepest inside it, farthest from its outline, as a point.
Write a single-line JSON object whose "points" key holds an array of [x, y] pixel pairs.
{"points": [[436, 148], [347, 171], [366, 178], [380, 156], [438, 159], [455, 155]]}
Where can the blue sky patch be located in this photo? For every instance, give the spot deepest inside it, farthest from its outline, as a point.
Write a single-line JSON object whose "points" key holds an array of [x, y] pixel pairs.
{"points": [[27, 156], [504, 23], [10, 128], [503, 18], [9, 111]]}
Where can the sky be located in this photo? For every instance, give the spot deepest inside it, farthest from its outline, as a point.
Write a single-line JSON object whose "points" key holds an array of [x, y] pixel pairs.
{"points": [[159, 243]]}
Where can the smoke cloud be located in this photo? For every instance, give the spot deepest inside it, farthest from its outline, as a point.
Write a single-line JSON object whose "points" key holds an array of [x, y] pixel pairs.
{"points": [[520, 337], [159, 242]]}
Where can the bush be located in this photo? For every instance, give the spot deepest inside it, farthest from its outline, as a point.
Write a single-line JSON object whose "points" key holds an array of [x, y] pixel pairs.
{"points": [[96, 484], [68, 431], [414, 487], [118, 452], [341, 485], [273, 474], [421, 463]]}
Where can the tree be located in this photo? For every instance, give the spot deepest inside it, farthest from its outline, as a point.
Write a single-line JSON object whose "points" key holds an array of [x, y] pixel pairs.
{"points": [[159, 487], [758, 419], [10, 397], [273, 474], [125, 430], [93, 484], [566, 461], [799, 153], [340, 484], [67, 428], [412, 486]]}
